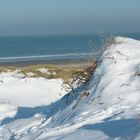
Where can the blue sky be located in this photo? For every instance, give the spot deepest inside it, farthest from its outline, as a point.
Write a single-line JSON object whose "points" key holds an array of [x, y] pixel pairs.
{"points": [[32, 17]]}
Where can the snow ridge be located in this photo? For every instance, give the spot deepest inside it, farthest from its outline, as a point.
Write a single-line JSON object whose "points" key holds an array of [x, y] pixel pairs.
{"points": [[110, 112]]}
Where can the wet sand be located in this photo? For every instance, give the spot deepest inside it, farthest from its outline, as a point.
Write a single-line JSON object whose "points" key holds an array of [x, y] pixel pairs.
{"points": [[61, 62]]}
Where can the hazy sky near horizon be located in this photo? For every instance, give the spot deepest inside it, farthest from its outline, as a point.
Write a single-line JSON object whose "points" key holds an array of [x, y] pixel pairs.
{"points": [[32, 17]]}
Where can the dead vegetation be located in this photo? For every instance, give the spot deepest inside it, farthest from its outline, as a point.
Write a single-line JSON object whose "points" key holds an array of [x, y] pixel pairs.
{"points": [[80, 77], [52, 71], [138, 74]]}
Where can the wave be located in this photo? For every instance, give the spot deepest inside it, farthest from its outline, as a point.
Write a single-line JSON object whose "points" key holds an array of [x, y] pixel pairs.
{"points": [[46, 57]]}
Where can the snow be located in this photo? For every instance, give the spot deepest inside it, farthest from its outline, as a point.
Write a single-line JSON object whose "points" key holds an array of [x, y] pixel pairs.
{"points": [[84, 134], [22, 96], [110, 112], [7, 110], [30, 74], [44, 70], [18, 90]]}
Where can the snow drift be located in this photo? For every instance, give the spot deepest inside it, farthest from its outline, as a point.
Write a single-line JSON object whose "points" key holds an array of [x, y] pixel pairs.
{"points": [[7, 110], [19, 90], [111, 111]]}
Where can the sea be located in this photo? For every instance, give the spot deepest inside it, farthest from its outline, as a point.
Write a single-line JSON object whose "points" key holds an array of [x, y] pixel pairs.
{"points": [[47, 48]]}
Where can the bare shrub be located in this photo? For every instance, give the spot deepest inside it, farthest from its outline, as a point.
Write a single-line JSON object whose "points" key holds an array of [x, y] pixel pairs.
{"points": [[83, 76], [80, 77]]}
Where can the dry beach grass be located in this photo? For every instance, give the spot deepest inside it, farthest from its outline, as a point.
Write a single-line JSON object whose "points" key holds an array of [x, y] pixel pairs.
{"points": [[52, 71]]}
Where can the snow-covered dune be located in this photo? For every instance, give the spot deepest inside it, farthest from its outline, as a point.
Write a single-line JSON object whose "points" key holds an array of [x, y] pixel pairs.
{"points": [[111, 110], [23, 91], [22, 96], [7, 110]]}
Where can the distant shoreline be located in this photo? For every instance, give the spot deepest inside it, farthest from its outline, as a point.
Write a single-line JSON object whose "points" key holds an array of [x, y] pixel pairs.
{"points": [[61, 62]]}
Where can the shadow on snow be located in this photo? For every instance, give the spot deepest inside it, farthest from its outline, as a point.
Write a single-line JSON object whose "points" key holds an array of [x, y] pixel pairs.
{"points": [[125, 128]]}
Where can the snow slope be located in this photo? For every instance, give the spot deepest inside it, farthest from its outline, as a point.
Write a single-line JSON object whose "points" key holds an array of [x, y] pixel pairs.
{"points": [[19, 90], [24, 96], [7, 110], [110, 112]]}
